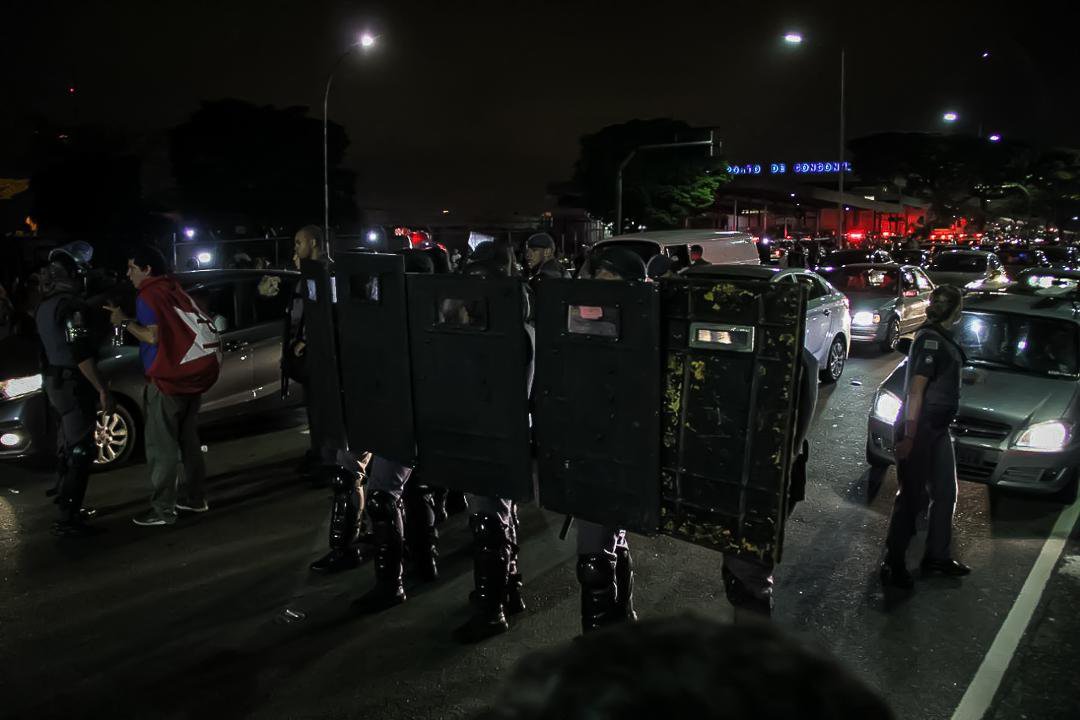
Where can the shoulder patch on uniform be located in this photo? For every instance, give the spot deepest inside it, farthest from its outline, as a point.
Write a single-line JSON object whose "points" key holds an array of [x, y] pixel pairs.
{"points": [[931, 345], [928, 359]]}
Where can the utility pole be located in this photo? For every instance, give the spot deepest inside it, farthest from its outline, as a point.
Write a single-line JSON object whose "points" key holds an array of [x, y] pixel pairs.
{"points": [[712, 142]]}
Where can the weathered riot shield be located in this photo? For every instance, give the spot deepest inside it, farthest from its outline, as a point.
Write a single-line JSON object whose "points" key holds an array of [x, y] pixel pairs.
{"points": [[323, 391], [471, 357], [732, 355], [597, 401], [373, 344]]}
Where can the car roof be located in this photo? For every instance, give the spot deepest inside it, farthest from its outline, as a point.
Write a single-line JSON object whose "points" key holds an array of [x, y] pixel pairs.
{"points": [[754, 272], [875, 266], [966, 251], [191, 276], [1060, 307], [680, 237]]}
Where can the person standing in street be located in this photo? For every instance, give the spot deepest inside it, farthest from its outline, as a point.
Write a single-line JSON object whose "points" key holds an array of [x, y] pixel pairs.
{"points": [[926, 463], [697, 256], [181, 355], [72, 382]]}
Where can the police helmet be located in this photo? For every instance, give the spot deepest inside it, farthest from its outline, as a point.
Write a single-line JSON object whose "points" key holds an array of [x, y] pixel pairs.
{"points": [[417, 261], [658, 267], [621, 261], [541, 240]]}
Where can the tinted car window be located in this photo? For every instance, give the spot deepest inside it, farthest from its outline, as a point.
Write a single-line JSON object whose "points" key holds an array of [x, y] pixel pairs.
{"points": [[1019, 257], [267, 308], [846, 257], [959, 262], [216, 300], [922, 281]]}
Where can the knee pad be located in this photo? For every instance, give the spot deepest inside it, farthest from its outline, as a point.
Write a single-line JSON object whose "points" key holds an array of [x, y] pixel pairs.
{"points": [[341, 479], [382, 505], [487, 529], [596, 570]]}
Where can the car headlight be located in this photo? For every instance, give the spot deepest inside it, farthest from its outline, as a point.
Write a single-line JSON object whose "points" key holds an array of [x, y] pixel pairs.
{"points": [[887, 407], [1044, 437], [864, 317], [17, 387]]}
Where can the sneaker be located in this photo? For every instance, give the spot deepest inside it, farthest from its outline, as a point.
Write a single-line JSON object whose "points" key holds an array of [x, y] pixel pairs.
{"points": [[150, 518], [195, 508]]}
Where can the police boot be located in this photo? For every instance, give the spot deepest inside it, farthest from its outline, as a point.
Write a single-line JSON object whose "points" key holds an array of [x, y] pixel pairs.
{"points": [[491, 574], [747, 606], [624, 584], [514, 603], [596, 573], [344, 524], [456, 502], [422, 537], [438, 499], [385, 512]]}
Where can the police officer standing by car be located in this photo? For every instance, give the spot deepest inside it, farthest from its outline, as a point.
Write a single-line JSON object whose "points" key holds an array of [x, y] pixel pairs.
{"points": [[72, 382], [924, 449]]}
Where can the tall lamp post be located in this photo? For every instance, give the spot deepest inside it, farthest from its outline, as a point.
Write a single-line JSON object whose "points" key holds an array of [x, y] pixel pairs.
{"points": [[794, 38], [364, 42], [712, 143]]}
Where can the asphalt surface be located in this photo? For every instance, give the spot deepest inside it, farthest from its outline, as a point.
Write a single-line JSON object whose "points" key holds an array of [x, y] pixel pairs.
{"points": [[187, 621]]}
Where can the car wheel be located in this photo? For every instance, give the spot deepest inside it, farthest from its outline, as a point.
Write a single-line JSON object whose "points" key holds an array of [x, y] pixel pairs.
{"points": [[834, 362], [115, 436], [892, 335]]}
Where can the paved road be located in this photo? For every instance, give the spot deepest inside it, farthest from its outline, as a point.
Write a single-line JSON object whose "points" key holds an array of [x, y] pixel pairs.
{"points": [[185, 621]]}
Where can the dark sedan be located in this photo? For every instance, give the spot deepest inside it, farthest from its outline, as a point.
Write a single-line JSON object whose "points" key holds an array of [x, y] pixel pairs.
{"points": [[842, 258], [250, 323], [887, 300], [1062, 257], [1018, 259], [918, 258]]}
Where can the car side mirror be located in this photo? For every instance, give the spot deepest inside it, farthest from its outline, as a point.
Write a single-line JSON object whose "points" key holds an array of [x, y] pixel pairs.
{"points": [[903, 345]]}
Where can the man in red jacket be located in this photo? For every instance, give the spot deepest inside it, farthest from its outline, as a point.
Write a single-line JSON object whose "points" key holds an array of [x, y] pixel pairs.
{"points": [[181, 355]]}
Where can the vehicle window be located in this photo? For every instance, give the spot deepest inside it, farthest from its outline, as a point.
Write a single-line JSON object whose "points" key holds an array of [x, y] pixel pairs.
{"points": [[959, 262], [267, 308], [1019, 257], [216, 301], [922, 282], [909, 281], [870, 281], [994, 263], [645, 249], [680, 254], [817, 290], [1036, 345]]}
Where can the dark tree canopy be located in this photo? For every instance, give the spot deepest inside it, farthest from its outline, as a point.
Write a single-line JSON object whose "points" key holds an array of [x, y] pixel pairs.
{"points": [[264, 162], [660, 188]]}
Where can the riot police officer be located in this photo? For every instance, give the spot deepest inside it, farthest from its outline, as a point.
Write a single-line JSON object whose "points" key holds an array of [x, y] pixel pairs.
{"points": [[540, 258], [605, 568], [924, 450], [71, 378], [493, 520]]}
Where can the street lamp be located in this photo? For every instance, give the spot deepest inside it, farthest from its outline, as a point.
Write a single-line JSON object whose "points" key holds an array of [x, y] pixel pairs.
{"points": [[794, 38], [365, 42], [994, 138], [950, 117]]}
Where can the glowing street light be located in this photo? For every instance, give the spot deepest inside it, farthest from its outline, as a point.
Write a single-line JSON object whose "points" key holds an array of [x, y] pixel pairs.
{"points": [[994, 138], [950, 117], [793, 38], [365, 42]]}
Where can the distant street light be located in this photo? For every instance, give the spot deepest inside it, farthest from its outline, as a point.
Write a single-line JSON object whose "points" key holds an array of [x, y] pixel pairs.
{"points": [[950, 117], [986, 54], [365, 42], [994, 138], [794, 38]]}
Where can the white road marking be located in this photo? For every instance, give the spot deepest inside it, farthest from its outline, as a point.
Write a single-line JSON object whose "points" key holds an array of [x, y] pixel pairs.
{"points": [[984, 685]]}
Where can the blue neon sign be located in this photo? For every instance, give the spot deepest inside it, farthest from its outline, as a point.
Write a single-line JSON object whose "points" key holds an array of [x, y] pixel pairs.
{"points": [[799, 168]]}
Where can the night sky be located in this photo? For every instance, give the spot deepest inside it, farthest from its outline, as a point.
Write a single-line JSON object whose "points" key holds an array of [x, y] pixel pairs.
{"points": [[475, 106]]}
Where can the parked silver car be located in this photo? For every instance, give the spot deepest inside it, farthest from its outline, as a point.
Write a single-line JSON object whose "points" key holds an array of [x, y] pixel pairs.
{"points": [[250, 324], [887, 300], [828, 321], [1019, 420], [968, 270]]}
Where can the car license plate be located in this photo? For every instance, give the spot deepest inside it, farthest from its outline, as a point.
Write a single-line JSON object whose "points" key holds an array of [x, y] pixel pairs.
{"points": [[968, 456]]}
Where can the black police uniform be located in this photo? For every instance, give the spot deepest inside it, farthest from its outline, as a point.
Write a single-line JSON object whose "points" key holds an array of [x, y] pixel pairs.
{"points": [[62, 323], [931, 465]]}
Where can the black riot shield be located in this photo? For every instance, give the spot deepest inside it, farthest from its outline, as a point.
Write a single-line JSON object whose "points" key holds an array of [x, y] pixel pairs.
{"points": [[732, 356], [373, 343], [471, 358], [323, 391], [597, 401]]}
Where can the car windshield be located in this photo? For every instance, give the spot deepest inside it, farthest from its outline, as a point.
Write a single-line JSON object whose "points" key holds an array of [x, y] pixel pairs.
{"points": [[1042, 346], [845, 257], [913, 257], [1058, 254], [1018, 257], [870, 281], [959, 262]]}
